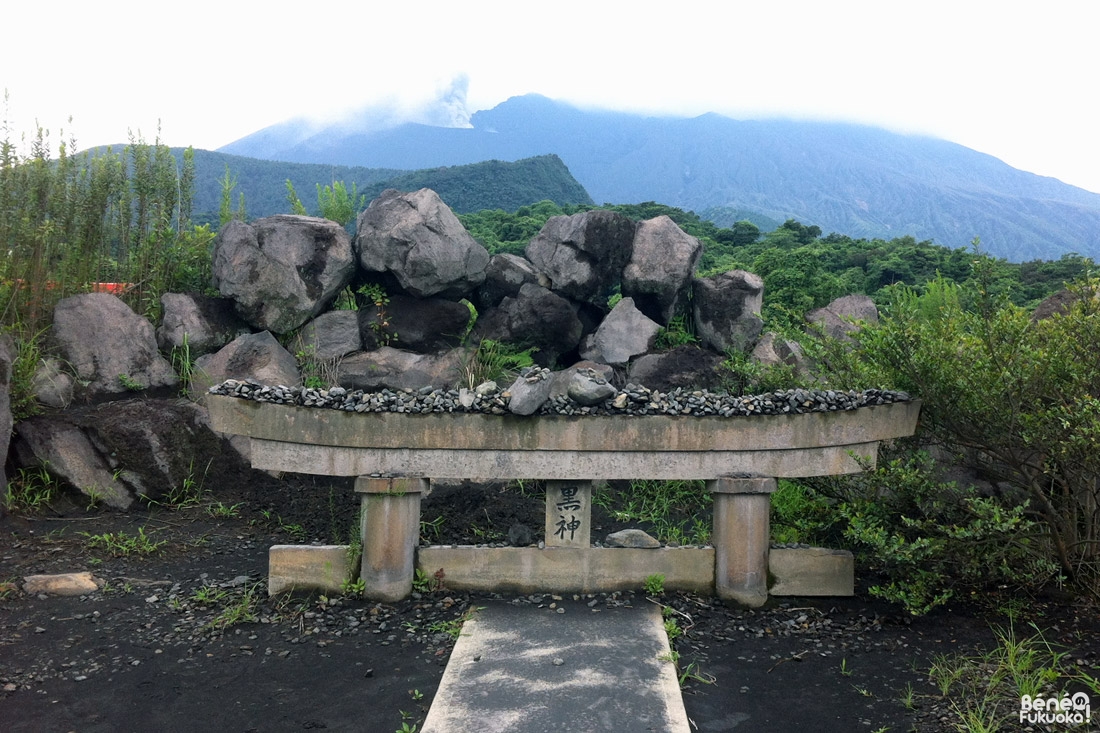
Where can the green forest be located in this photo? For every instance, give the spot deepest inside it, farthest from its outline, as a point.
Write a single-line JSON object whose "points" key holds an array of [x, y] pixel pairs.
{"points": [[1017, 396], [803, 270]]}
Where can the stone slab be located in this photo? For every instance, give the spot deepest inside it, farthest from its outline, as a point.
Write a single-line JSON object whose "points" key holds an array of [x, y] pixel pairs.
{"points": [[62, 584], [596, 433], [327, 460], [811, 571], [568, 514], [309, 567], [525, 570], [521, 669]]}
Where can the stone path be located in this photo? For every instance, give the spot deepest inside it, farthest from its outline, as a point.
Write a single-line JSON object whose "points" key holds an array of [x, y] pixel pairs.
{"points": [[566, 668]]}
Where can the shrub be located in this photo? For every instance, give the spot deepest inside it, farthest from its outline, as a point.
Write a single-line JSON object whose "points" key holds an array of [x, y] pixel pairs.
{"points": [[930, 537], [1016, 398]]}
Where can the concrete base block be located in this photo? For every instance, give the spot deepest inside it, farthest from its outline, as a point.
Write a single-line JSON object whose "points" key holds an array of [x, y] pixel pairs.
{"points": [[568, 570], [309, 567], [811, 571]]}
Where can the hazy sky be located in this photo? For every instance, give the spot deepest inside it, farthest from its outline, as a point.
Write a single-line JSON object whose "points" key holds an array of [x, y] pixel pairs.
{"points": [[1015, 80]]}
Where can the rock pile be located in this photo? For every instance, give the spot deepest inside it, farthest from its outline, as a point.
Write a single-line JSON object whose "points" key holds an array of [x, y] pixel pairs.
{"points": [[428, 289], [418, 299]]}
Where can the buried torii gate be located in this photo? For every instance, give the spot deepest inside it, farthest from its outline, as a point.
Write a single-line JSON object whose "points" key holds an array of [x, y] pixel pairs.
{"points": [[396, 456]]}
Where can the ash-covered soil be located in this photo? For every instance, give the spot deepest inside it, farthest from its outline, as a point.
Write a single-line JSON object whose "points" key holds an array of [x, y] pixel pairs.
{"points": [[185, 638]]}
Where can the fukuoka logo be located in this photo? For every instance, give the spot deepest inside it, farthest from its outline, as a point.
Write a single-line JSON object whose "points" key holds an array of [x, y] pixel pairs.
{"points": [[1068, 709]]}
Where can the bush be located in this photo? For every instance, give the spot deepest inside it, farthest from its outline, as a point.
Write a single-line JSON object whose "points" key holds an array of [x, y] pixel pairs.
{"points": [[1015, 398], [930, 538]]}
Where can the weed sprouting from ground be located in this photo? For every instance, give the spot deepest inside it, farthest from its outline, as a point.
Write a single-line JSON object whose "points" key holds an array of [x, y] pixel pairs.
{"points": [[353, 588], [208, 595], [986, 689], [430, 530], [31, 490], [189, 493], [218, 510], [453, 628], [231, 606], [496, 361], [654, 584], [121, 544]]}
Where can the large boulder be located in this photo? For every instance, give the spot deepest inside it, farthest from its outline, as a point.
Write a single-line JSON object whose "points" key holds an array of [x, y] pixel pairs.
{"points": [[329, 336], [283, 270], [108, 346], [7, 358], [727, 310], [256, 356], [1058, 303], [773, 350], [658, 276], [534, 317], [424, 326], [389, 368], [844, 316], [204, 323], [419, 241], [623, 335], [687, 367], [504, 276], [583, 254], [115, 452]]}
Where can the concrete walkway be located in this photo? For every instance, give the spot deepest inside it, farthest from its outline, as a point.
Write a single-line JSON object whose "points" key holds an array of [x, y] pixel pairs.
{"points": [[523, 669]]}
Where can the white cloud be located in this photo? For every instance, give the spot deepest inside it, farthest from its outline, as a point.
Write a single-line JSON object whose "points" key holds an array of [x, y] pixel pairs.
{"points": [[1011, 80]]}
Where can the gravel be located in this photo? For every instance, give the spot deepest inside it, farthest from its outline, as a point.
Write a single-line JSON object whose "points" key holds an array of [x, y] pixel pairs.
{"points": [[633, 399]]}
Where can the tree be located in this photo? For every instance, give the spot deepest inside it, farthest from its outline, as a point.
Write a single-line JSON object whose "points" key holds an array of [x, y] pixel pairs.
{"points": [[739, 235], [337, 204], [296, 205], [804, 234], [225, 212]]}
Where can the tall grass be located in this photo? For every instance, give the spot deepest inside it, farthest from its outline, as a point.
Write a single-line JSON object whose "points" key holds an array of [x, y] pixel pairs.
{"points": [[110, 220]]}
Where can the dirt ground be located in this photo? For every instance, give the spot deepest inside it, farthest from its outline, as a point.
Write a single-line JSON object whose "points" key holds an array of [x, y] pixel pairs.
{"points": [[184, 638]]}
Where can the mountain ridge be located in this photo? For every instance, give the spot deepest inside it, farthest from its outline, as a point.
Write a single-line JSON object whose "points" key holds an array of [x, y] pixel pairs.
{"points": [[488, 184], [856, 180]]}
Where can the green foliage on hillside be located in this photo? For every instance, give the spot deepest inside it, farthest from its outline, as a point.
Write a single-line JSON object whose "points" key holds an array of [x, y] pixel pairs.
{"points": [[801, 269], [494, 184], [499, 231], [726, 216], [263, 183]]}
